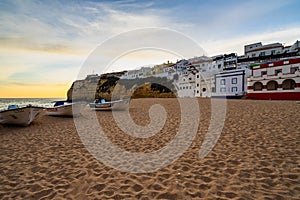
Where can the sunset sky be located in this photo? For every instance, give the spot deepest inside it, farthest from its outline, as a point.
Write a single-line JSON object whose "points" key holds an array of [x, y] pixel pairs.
{"points": [[43, 44]]}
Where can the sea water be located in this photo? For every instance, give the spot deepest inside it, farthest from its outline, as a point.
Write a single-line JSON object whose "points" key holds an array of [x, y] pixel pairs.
{"points": [[43, 102]]}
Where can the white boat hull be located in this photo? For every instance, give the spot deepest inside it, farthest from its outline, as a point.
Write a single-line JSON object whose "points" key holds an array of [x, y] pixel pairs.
{"points": [[65, 110], [20, 116]]}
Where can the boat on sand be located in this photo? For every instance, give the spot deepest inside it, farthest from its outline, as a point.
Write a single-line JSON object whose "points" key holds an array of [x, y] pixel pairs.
{"points": [[102, 105], [22, 116], [63, 108]]}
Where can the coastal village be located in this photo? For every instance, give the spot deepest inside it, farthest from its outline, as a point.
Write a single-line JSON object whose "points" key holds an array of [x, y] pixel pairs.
{"points": [[265, 71], [149, 100]]}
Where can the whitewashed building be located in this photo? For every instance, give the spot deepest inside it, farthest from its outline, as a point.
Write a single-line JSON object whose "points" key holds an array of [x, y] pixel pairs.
{"points": [[257, 49], [231, 83], [230, 61], [205, 84], [186, 83], [278, 80], [202, 62], [218, 63], [292, 48], [181, 67], [205, 78], [139, 73]]}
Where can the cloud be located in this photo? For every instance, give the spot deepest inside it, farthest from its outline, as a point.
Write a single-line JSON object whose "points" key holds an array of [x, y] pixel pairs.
{"points": [[70, 28], [287, 36], [63, 26], [207, 21], [31, 67], [47, 41], [27, 44], [41, 84]]}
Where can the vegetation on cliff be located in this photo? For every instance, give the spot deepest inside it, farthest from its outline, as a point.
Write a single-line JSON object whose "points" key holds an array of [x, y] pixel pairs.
{"points": [[112, 87]]}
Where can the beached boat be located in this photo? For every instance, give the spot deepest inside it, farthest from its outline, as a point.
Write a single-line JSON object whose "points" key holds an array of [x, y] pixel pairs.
{"points": [[63, 108], [22, 116], [121, 104]]}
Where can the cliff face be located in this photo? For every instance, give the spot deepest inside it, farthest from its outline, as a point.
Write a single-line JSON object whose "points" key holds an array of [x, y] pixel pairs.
{"points": [[108, 86]]}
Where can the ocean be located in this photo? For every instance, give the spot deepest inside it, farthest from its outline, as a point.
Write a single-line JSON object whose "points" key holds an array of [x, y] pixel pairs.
{"points": [[43, 102]]}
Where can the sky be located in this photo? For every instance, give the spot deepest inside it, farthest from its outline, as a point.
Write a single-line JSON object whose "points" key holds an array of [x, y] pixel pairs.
{"points": [[44, 44]]}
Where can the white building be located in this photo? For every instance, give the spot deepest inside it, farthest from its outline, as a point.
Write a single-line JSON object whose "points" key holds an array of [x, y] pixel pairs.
{"points": [[231, 83], [181, 67], [201, 63], [218, 62], [295, 47], [139, 73], [205, 84], [186, 84], [230, 61], [278, 80], [292, 48], [257, 49], [205, 78]]}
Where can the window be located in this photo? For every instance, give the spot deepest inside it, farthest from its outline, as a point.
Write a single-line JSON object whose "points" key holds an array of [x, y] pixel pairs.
{"points": [[277, 71], [197, 84], [234, 89], [190, 78], [262, 53], [213, 89], [222, 89], [263, 73], [293, 70], [234, 80], [253, 55], [223, 81], [219, 66], [273, 52], [197, 76], [286, 62], [197, 91], [204, 90]]}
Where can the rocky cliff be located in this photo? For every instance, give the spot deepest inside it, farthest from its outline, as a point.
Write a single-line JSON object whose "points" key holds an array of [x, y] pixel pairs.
{"points": [[109, 85]]}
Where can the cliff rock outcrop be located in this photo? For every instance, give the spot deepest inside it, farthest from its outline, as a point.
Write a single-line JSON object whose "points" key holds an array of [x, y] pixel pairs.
{"points": [[110, 86]]}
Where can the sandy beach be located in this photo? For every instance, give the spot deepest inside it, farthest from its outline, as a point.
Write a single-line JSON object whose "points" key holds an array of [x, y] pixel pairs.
{"points": [[256, 157]]}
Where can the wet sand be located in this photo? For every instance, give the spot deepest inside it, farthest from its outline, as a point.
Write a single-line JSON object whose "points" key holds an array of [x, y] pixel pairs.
{"points": [[256, 157]]}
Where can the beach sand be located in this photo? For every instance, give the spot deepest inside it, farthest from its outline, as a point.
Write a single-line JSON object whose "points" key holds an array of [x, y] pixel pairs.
{"points": [[256, 157]]}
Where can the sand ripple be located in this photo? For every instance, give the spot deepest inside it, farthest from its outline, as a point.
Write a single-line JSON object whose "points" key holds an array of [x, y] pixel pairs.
{"points": [[256, 157]]}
